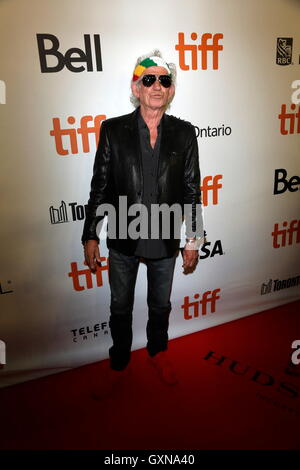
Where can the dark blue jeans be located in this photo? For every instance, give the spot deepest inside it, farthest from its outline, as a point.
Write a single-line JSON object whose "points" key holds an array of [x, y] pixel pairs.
{"points": [[123, 271]]}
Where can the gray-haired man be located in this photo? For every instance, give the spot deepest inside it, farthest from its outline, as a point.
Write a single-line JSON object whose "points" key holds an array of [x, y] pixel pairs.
{"points": [[151, 158]]}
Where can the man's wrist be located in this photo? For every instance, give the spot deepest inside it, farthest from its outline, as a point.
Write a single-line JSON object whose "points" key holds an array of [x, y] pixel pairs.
{"points": [[192, 243]]}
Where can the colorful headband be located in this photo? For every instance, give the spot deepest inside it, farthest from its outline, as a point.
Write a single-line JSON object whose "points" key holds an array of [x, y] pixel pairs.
{"points": [[153, 61]]}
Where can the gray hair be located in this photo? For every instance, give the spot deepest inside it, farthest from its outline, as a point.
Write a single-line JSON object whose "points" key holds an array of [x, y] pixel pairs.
{"points": [[134, 100]]}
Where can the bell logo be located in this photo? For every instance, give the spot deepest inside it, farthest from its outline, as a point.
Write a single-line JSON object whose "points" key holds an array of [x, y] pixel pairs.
{"points": [[203, 47], [57, 132], [191, 309], [282, 183], [72, 55], [2, 354], [210, 184], [286, 235], [87, 274]]}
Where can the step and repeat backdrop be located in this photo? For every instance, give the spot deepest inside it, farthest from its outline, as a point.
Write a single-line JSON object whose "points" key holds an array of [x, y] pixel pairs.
{"points": [[65, 68]]}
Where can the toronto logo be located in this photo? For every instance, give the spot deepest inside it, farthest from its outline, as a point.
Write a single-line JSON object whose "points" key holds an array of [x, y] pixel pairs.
{"points": [[64, 213], [274, 285]]}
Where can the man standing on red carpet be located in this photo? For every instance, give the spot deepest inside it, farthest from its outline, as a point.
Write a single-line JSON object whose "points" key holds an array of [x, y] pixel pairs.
{"points": [[150, 158]]}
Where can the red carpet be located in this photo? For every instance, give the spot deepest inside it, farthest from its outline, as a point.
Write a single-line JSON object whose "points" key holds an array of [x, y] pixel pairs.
{"points": [[251, 400]]}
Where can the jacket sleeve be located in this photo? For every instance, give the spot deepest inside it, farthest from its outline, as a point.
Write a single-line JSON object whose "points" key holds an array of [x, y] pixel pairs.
{"points": [[99, 187], [192, 193]]}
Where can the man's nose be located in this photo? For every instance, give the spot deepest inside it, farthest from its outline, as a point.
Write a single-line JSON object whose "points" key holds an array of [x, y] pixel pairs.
{"points": [[157, 85]]}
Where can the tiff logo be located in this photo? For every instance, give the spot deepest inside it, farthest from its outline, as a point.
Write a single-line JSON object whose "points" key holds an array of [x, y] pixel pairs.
{"points": [[84, 130], [288, 120], [2, 354], [214, 48], [280, 236], [2, 92], [75, 274], [191, 308], [71, 55], [210, 184]]}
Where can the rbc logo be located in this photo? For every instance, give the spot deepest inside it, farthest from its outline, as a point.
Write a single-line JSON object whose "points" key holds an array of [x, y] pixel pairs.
{"points": [[284, 51], [71, 55]]}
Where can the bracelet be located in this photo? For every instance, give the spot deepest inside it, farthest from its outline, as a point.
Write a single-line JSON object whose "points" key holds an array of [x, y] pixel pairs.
{"points": [[193, 243]]}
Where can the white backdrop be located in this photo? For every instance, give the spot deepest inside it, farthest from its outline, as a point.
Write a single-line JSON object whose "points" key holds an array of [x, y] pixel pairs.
{"points": [[54, 314]]}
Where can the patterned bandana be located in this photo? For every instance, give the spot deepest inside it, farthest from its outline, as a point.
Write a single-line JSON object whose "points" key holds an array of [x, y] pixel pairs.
{"points": [[153, 61]]}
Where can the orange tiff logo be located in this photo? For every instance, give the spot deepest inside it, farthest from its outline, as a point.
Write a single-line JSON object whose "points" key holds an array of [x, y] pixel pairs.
{"points": [[71, 133], [77, 275], [206, 304], [209, 43], [211, 185]]}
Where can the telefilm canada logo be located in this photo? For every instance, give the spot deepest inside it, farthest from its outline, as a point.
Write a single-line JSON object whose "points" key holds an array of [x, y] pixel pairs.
{"points": [[284, 51], [67, 212], [53, 60], [89, 332], [275, 285]]}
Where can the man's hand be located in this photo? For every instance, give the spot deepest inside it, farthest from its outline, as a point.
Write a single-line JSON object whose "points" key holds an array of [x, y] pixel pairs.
{"points": [[92, 254], [190, 258]]}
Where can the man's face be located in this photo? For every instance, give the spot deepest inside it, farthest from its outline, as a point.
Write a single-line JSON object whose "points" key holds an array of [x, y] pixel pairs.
{"points": [[156, 96]]}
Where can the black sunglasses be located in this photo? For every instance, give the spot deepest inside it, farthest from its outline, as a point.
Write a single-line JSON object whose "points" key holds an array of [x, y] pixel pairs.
{"points": [[164, 80]]}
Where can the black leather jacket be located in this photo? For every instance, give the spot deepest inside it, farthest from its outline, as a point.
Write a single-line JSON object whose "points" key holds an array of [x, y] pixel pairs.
{"points": [[117, 172]]}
